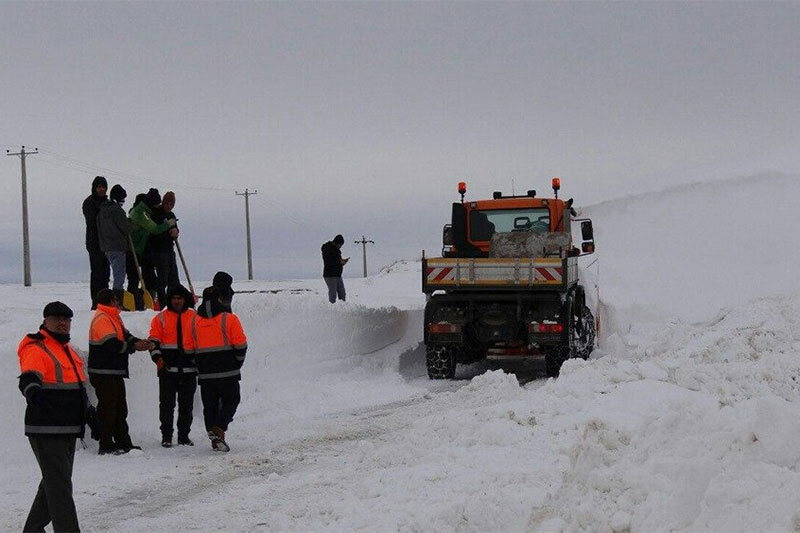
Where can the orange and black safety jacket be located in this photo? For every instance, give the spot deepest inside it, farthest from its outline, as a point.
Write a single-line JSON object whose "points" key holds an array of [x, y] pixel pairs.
{"points": [[110, 343], [52, 380], [171, 332], [220, 346]]}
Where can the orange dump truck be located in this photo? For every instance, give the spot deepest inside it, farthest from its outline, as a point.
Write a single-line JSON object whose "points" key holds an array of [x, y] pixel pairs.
{"points": [[507, 284]]}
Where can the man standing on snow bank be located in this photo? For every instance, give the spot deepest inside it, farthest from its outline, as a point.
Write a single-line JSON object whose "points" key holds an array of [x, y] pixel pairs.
{"points": [[141, 215], [113, 229], [333, 266], [220, 348], [163, 248], [53, 383], [98, 264], [110, 344], [171, 331]]}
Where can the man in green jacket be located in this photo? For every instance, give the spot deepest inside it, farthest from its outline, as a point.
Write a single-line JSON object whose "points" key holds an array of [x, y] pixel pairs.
{"points": [[141, 216]]}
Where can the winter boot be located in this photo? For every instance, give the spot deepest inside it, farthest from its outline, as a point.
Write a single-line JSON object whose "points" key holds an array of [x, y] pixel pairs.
{"points": [[185, 441], [166, 442], [107, 450], [217, 436]]}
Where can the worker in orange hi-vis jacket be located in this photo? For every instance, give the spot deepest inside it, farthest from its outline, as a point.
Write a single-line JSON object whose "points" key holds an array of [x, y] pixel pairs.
{"points": [[220, 348], [110, 344], [171, 331], [53, 382]]}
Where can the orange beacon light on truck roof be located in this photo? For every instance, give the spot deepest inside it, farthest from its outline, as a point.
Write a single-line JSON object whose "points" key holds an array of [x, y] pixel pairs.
{"points": [[556, 185]]}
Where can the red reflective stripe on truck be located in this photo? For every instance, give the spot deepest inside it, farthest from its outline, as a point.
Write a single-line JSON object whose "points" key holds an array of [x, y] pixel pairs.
{"points": [[443, 274]]}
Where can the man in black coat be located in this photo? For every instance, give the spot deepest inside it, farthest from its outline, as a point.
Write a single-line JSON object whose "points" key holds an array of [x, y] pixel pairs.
{"points": [[333, 266], [162, 247], [98, 264]]}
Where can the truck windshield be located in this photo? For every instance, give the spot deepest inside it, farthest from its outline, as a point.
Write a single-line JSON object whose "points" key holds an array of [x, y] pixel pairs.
{"points": [[482, 224]]}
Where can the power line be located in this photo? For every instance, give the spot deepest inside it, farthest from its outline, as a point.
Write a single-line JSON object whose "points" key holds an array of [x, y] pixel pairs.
{"points": [[78, 164]]}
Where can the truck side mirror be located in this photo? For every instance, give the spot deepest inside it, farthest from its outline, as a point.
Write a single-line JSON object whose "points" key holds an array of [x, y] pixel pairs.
{"points": [[587, 233], [447, 235]]}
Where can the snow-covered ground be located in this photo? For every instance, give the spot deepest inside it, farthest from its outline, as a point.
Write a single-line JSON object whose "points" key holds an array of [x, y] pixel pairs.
{"points": [[685, 418]]}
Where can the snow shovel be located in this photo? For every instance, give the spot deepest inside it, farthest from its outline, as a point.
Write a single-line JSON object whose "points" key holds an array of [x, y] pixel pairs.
{"points": [[185, 270], [128, 301], [146, 296]]}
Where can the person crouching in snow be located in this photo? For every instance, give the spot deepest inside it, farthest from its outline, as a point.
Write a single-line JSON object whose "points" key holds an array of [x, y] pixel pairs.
{"points": [[171, 332], [220, 348]]}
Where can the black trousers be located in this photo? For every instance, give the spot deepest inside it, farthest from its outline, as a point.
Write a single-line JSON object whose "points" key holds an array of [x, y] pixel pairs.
{"points": [[133, 280], [148, 275], [166, 272], [53, 501], [112, 411], [99, 273], [220, 400], [170, 385]]}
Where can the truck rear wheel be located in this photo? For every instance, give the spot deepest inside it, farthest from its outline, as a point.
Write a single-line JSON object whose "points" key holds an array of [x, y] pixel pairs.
{"points": [[585, 335], [441, 362]]}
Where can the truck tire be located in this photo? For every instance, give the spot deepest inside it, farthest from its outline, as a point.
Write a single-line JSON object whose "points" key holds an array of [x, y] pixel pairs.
{"points": [[441, 362], [554, 358], [585, 335]]}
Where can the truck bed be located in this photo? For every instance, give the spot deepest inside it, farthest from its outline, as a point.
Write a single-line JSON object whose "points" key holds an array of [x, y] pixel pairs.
{"points": [[443, 273]]}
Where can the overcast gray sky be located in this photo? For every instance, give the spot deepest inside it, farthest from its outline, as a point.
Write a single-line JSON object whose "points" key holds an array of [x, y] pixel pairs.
{"points": [[361, 117]]}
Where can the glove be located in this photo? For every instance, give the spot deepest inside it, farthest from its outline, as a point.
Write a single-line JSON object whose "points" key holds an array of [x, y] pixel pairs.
{"points": [[33, 396], [93, 422], [160, 363]]}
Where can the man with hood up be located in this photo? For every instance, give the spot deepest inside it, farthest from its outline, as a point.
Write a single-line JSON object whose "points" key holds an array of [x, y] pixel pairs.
{"points": [[113, 228], [98, 264], [220, 348], [141, 215], [173, 354], [333, 265]]}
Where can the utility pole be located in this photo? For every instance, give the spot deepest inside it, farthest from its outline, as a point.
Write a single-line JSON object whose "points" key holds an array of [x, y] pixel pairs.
{"points": [[363, 242], [26, 245], [247, 194]]}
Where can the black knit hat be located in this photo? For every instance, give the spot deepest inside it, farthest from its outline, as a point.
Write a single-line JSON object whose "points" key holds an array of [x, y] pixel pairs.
{"points": [[118, 194], [99, 180], [56, 309], [222, 282], [338, 239], [153, 198]]}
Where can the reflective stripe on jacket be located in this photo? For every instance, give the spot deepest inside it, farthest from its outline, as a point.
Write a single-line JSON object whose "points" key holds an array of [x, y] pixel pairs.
{"points": [[109, 343], [165, 329], [220, 346], [58, 407]]}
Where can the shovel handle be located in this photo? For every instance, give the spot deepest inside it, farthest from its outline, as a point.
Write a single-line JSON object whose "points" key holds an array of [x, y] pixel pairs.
{"points": [[136, 262], [185, 269]]}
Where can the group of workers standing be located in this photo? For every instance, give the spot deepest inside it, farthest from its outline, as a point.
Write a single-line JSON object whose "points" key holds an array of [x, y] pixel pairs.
{"points": [[207, 346], [117, 242]]}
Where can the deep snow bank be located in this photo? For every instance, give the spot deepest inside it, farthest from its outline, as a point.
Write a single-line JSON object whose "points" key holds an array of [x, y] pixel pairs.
{"points": [[690, 251]]}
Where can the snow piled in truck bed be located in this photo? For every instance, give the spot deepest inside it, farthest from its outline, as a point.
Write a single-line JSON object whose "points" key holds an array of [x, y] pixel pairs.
{"points": [[686, 418]]}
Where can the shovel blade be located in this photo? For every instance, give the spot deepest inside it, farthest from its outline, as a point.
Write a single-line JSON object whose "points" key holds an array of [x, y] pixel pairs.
{"points": [[128, 301], [148, 300]]}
